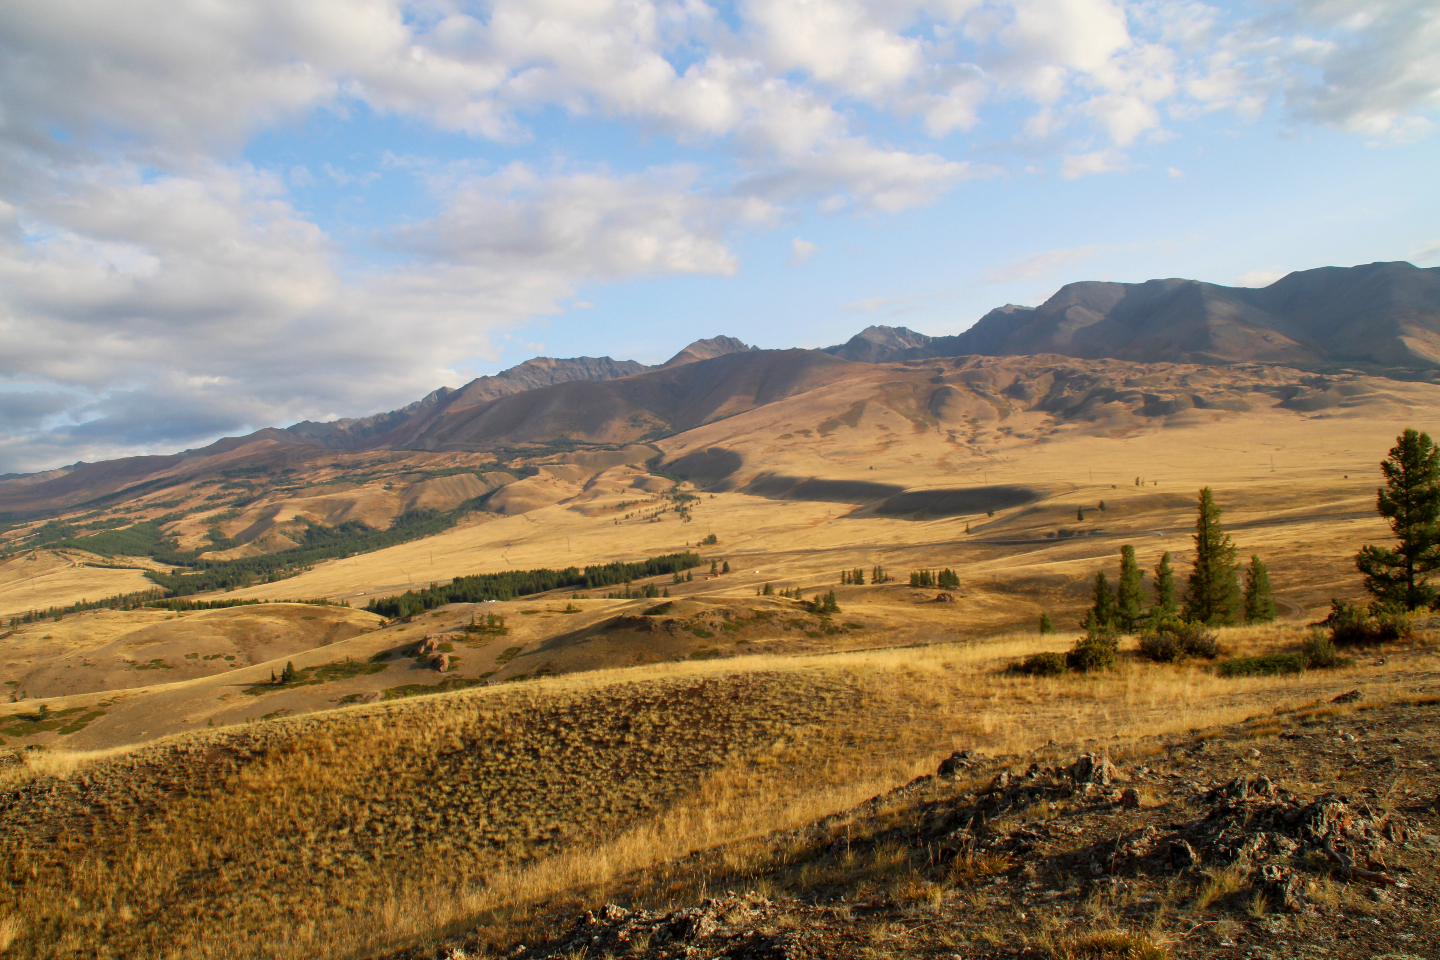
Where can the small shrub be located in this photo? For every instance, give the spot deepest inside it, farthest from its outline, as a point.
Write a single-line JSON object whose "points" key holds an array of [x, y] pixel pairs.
{"points": [[1319, 652], [1091, 653], [1041, 665], [1162, 647], [1269, 665], [1170, 640], [1353, 626]]}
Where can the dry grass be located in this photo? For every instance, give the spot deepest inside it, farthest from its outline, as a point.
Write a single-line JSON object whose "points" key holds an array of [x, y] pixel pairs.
{"points": [[347, 832], [1110, 945]]}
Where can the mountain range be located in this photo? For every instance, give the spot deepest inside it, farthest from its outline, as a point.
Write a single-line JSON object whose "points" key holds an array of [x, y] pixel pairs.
{"points": [[1384, 315], [1381, 318]]}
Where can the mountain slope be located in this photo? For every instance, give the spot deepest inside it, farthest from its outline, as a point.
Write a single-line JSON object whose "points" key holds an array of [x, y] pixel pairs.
{"points": [[659, 402], [1386, 314]]}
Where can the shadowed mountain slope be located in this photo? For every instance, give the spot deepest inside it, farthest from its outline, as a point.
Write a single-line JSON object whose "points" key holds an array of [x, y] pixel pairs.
{"points": [[1387, 314], [657, 403], [410, 420]]}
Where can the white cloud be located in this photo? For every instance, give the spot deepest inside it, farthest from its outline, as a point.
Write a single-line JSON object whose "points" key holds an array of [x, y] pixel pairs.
{"points": [[1426, 252], [1260, 278], [1097, 161], [1175, 173], [801, 251], [1040, 266]]}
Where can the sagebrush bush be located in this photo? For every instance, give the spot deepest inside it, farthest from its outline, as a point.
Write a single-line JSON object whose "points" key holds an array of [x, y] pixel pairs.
{"points": [[1091, 653], [1041, 665], [1171, 640], [1320, 652], [1270, 664], [1354, 626]]}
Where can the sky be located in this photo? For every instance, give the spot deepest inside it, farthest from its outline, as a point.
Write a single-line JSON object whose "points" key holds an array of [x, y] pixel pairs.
{"points": [[220, 216]]}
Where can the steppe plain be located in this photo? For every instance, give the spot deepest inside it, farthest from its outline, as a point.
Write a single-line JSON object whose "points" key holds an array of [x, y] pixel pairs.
{"points": [[182, 806]]}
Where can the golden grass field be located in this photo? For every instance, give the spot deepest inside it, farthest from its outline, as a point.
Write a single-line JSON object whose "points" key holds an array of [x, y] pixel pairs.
{"points": [[343, 833]]}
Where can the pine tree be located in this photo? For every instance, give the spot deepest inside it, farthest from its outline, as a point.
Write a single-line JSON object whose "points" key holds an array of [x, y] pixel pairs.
{"points": [[1164, 589], [666, 593], [1129, 602], [1410, 502], [1079, 513], [769, 590], [1259, 604], [689, 577], [1214, 594], [714, 567], [288, 675], [1102, 613], [725, 567], [1046, 626]]}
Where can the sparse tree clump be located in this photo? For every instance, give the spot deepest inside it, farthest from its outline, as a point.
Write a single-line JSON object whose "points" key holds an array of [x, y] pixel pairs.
{"points": [[1259, 604], [1046, 626], [1214, 594], [1410, 502]]}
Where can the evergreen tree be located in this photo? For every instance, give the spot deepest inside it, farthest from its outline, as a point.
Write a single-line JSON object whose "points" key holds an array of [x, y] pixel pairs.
{"points": [[1046, 626], [1079, 513], [1259, 604], [1102, 613], [1410, 502], [714, 567], [769, 590], [689, 577], [666, 593], [1214, 594], [725, 567], [288, 675], [1129, 602], [1165, 605]]}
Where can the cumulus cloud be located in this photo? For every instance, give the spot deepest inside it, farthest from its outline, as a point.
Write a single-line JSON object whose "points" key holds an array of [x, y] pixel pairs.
{"points": [[801, 251]]}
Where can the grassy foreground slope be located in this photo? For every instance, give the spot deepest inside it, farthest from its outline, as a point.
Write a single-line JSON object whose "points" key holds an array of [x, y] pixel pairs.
{"points": [[345, 833]]}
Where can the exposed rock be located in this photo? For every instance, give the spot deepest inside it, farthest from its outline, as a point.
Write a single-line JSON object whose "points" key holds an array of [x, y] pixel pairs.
{"points": [[440, 662], [957, 762], [427, 646], [1350, 697], [1089, 770], [1130, 799]]}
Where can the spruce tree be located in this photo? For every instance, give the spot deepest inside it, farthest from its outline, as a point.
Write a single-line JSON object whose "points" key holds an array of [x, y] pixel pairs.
{"points": [[1214, 594], [1164, 589], [725, 567], [1129, 599], [1410, 502], [1102, 614], [1259, 604]]}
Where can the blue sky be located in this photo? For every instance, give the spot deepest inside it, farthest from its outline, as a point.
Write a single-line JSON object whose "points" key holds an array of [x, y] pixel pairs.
{"points": [[218, 217]]}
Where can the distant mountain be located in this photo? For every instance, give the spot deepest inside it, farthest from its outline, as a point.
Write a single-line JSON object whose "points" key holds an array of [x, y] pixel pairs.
{"points": [[656, 403], [879, 344], [708, 350], [411, 420], [1386, 314]]}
